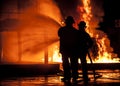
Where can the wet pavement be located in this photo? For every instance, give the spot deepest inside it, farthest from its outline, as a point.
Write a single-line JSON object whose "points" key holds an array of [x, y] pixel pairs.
{"points": [[104, 78]]}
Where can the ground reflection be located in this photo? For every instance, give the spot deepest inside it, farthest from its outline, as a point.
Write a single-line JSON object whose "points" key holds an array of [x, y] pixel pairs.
{"points": [[32, 81], [108, 76]]}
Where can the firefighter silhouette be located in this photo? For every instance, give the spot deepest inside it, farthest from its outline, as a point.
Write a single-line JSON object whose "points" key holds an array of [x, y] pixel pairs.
{"points": [[68, 45], [85, 42]]}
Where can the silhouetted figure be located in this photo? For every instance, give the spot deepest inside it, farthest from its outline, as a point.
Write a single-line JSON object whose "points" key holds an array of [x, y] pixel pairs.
{"points": [[85, 42], [68, 38]]}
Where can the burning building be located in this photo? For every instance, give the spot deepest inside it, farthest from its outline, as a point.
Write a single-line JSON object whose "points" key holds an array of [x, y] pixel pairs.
{"points": [[28, 32]]}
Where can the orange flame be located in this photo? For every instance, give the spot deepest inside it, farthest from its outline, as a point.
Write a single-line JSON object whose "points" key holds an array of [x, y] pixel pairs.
{"points": [[32, 42], [103, 43]]}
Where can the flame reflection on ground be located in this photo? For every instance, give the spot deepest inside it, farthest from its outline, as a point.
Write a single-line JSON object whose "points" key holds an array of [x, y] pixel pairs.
{"points": [[109, 77]]}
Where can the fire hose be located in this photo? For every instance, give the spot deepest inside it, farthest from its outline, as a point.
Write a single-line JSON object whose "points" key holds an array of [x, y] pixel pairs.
{"points": [[92, 65], [94, 73]]}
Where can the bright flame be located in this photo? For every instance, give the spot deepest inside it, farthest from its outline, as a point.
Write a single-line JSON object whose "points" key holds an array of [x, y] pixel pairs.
{"points": [[29, 44], [55, 56], [85, 11], [103, 43], [103, 54]]}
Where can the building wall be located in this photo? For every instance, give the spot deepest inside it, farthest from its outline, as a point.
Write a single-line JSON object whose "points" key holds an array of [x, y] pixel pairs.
{"points": [[26, 31]]}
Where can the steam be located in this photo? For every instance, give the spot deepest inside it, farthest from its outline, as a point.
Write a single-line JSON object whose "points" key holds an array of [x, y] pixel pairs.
{"points": [[49, 8]]}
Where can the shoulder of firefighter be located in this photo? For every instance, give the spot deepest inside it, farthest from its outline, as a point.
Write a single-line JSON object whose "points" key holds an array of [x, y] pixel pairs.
{"points": [[87, 40], [90, 42]]}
